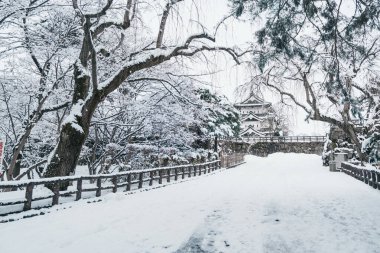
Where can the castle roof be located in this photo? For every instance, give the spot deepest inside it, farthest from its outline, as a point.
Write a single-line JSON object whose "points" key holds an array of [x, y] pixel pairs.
{"points": [[251, 115], [253, 100], [251, 131]]}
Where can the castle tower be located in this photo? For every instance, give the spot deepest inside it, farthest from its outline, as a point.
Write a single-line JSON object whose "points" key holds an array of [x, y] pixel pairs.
{"points": [[257, 117]]}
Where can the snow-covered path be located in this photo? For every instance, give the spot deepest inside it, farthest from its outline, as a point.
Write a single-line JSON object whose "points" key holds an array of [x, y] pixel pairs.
{"points": [[283, 203]]}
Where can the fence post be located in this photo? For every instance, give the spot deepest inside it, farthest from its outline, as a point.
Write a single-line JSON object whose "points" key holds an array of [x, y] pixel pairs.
{"points": [[79, 189], [151, 175], [183, 172], [200, 170], [369, 178], [195, 170], [160, 176], [175, 174], [141, 174], [208, 168], [114, 182], [28, 196], [56, 193], [189, 170], [129, 178], [168, 177], [99, 187], [374, 181]]}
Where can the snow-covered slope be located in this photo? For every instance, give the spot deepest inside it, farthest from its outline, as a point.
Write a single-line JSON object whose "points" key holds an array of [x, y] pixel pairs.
{"points": [[283, 203]]}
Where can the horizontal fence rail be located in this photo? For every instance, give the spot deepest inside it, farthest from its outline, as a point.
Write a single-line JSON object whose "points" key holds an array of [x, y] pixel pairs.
{"points": [[368, 176], [80, 185], [288, 139]]}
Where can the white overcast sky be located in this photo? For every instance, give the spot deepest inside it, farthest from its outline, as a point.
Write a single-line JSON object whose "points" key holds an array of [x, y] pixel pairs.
{"points": [[233, 33]]}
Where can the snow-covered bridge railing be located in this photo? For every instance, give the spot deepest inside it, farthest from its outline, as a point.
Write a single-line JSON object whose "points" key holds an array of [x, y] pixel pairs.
{"points": [[367, 175], [277, 139], [80, 185]]}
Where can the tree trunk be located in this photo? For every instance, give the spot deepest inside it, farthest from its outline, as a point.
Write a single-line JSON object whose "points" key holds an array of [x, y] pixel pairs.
{"points": [[63, 160], [13, 169], [65, 156], [17, 167], [354, 138]]}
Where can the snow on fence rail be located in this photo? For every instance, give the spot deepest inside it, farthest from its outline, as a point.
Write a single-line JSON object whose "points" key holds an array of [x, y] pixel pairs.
{"points": [[277, 139], [80, 185], [367, 175]]}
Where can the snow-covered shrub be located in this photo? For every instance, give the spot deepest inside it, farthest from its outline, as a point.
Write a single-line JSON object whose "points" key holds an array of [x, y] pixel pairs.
{"points": [[371, 147]]}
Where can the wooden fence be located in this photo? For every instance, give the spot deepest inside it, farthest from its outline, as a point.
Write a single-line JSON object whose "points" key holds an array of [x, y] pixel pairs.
{"points": [[370, 177], [231, 160], [287, 139], [127, 181]]}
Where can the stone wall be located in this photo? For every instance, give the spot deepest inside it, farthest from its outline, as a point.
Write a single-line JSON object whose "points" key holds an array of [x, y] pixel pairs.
{"points": [[265, 148], [228, 147]]}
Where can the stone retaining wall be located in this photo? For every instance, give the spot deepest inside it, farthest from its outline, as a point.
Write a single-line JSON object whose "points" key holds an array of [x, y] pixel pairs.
{"points": [[264, 149]]}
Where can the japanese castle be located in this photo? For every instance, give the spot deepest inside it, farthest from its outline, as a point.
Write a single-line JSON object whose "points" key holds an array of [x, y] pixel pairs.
{"points": [[257, 117]]}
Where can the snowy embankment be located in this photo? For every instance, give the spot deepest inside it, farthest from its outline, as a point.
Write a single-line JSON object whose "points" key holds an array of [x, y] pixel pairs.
{"points": [[283, 203]]}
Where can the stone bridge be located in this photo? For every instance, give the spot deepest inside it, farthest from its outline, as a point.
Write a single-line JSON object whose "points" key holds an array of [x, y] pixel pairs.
{"points": [[263, 146]]}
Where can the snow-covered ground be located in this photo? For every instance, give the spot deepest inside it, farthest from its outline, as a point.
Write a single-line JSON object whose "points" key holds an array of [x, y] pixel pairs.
{"points": [[283, 203]]}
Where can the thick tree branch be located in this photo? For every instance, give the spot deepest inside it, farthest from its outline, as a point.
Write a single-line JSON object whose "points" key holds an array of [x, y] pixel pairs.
{"points": [[55, 108], [34, 166], [164, 18], [150, 58], [102, 12]]}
